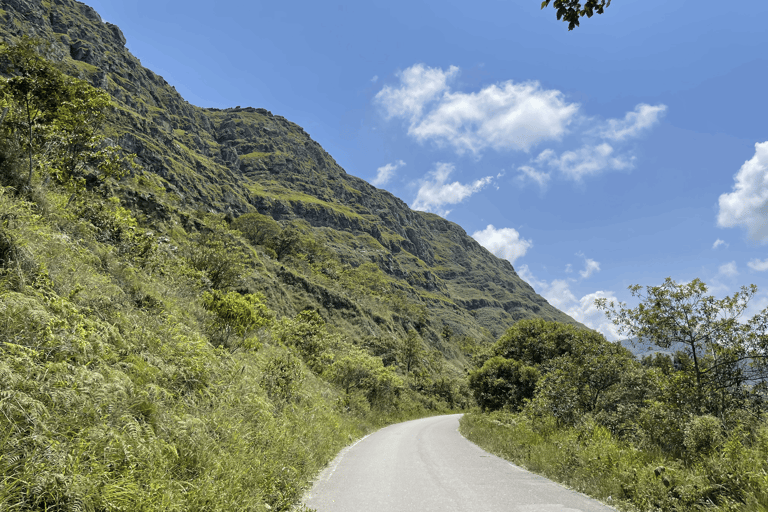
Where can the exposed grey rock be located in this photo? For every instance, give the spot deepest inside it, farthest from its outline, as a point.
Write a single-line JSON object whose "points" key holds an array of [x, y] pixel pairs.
{"points": [[117, 33], [218, 159], [80, 50]]}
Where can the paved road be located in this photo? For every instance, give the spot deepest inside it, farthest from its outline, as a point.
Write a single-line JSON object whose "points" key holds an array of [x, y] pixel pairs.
{"points": [[426, 465]]}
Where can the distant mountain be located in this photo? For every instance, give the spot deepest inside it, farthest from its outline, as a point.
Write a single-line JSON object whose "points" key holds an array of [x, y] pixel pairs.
{"points": [[196, 162], [641, 348]]}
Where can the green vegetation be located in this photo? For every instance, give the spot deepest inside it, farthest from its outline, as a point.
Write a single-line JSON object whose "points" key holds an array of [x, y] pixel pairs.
{"points": [[685, 431], [53, 119], [155, 362], [203, 326], [571, 11], [730, 474]]}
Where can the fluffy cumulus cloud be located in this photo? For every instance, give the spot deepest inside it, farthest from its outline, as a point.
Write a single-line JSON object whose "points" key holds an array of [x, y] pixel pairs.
{"points": [[504, 242], [590, 267], [386, 173], [505, 116], [558, 293], [758, 265], [435, 192], [585, 311], [585, 161], [747, 204], [600, 154], [419, 86], [641, 119], [718, 243], [729, 269]]}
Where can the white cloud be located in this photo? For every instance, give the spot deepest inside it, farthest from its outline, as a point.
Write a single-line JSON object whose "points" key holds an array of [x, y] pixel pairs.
{"points": [[504, 243], [747, 205], [755, 306], [385, 173], [729, 269], [558, 293], [643, 117], [569, 269], [718, 243], [585, 311], [526, 275], [592, 159], [436, 192], [759, 265], [590, 267], [585, 161], [505, 116], [528, 173], [419, 85], [375, 78]]}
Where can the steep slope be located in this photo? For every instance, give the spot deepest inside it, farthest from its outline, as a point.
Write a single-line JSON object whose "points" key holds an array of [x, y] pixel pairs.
{"points": [[241, 160]]}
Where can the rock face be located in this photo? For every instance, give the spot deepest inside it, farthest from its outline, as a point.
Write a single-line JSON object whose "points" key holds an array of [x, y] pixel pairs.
{"points": [[242, 160]]}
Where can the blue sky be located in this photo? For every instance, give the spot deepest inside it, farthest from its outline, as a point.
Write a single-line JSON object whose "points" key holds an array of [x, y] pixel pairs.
{"points": [[631, 149]]}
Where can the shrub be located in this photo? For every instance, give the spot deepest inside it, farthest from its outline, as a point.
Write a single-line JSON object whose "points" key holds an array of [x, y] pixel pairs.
{"points": [[235, 314], [702, 434], [221, 257], [282, 377], [503, 383]]}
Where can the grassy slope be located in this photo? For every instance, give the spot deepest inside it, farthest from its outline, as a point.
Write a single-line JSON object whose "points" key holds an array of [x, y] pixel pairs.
{"points": [[112, 396], [244, 159], [115, 391]]}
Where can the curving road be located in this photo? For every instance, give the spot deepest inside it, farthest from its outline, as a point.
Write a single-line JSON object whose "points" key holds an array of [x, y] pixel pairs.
{"points": [[426, 465]]}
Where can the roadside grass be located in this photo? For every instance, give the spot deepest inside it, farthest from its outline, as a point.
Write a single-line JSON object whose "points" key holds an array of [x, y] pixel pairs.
{"points": [[587, 458]]}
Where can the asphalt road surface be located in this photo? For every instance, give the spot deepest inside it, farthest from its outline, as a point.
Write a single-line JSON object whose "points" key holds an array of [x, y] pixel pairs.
{"points": [[426, 465]]}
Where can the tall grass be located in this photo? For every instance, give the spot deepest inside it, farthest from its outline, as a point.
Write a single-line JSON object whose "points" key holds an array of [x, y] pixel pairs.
{"points": [[587, 458], [113, 396]]}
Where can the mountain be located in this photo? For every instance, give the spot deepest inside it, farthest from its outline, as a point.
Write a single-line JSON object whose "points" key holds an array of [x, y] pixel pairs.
{"points": [[209, 330], [196, 162]]}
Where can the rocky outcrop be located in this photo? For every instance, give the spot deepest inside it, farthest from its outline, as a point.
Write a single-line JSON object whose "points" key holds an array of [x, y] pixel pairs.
{"points": [[241, 160]]}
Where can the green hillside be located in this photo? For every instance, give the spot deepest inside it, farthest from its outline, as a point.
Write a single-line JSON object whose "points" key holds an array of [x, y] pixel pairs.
{"points": [[244, 160], [199, 307]]}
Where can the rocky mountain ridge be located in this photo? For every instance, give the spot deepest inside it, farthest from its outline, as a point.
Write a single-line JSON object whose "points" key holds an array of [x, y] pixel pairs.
{"points": [[241, 160]]}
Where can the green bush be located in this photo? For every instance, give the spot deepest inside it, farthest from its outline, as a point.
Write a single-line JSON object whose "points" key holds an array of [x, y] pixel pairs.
{"points": [[702, 434], [282, 377], [235, 314], [221, 257], [503, 383], [361, 373], [258, 229]]}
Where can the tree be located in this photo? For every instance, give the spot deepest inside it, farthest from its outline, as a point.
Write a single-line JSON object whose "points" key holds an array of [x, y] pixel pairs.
{"points": [[535, 341], [503, 382], [571, 10], [288, 242], [359, 371], [236, 314], [73, 142], [595, 377], [411, 351], [308, 334], [221, 257], [35, 89], [257, 228], [533, 348], [725, 354], [56, 117]]}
